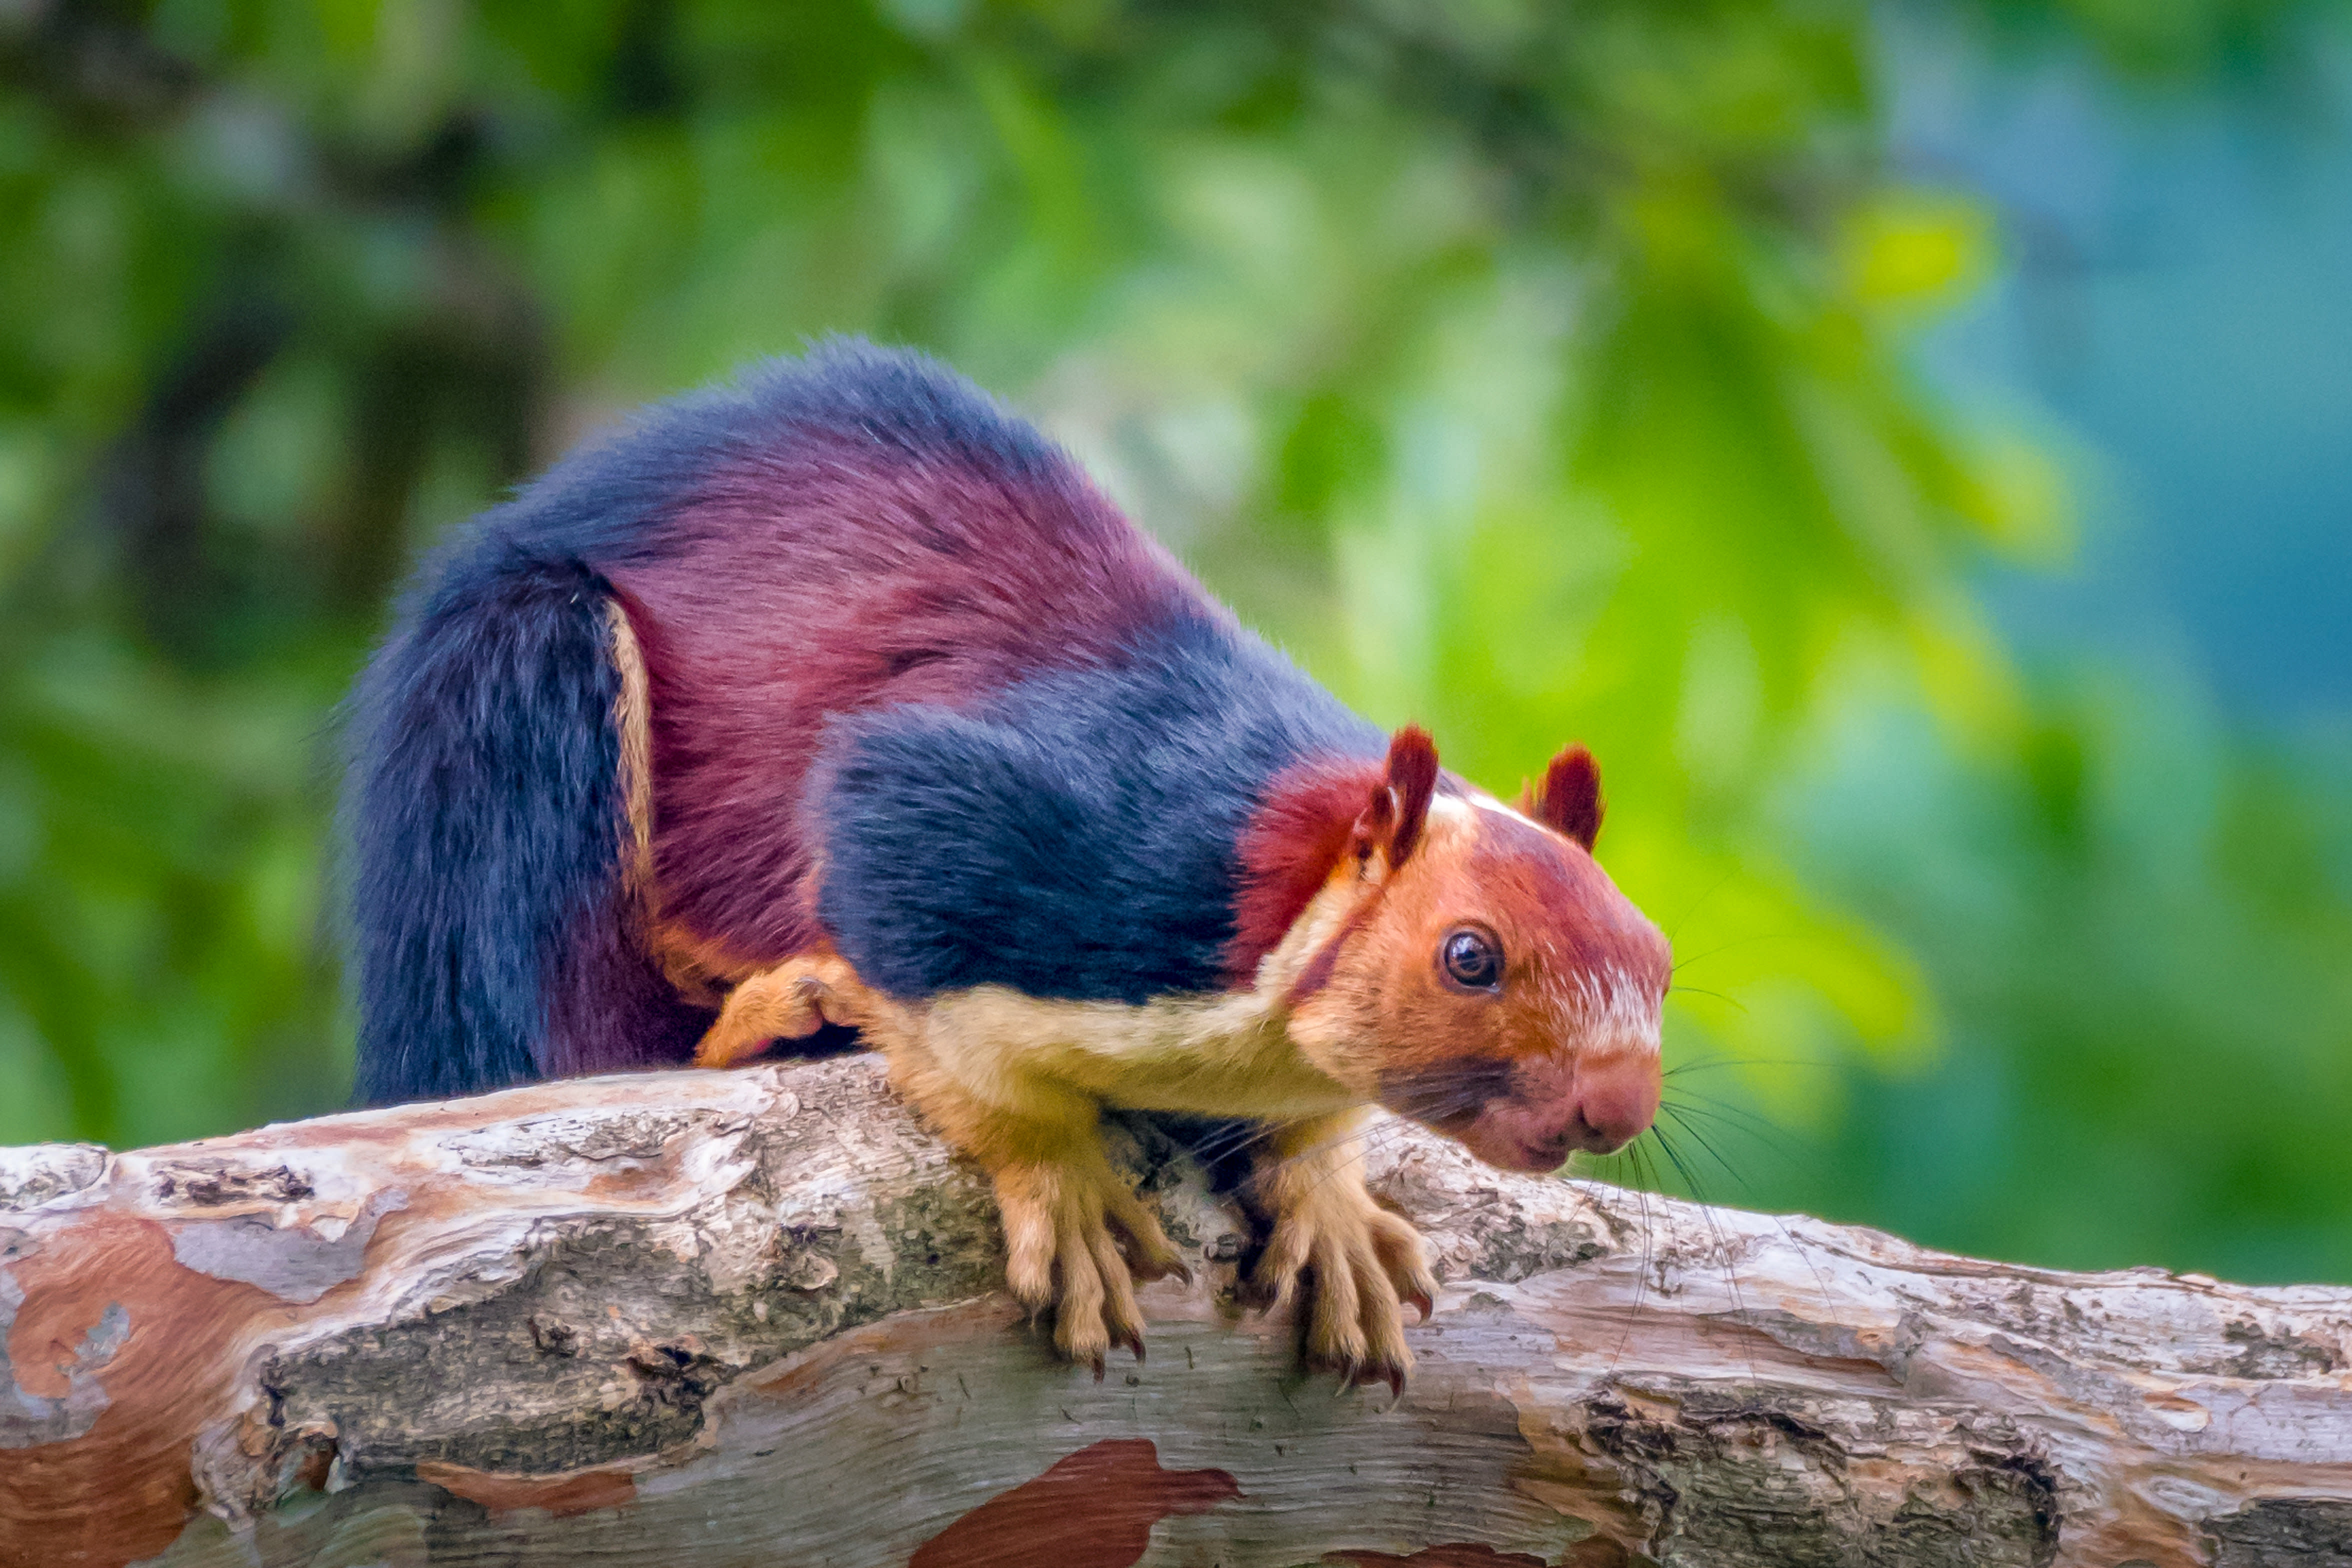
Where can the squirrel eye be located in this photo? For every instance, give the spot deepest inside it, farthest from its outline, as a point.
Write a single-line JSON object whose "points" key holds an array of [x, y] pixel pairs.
{"points": [[1471, 959]]}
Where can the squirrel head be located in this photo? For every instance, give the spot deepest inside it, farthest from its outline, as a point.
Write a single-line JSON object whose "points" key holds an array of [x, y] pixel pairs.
{"points": [[1469, 965]]}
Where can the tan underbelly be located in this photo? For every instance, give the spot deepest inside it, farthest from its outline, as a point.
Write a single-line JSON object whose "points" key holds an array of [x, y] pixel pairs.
{"points": [[1210, 1055]]}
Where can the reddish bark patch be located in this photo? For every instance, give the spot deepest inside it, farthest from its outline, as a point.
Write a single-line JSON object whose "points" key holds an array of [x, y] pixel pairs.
{"points": [[121, 1490], [1095, 1508], [564, 1495], [1454, 1554]]}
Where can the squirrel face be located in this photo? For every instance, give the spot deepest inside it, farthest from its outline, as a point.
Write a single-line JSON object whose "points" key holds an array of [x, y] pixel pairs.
{"points": [[1488, 979]]}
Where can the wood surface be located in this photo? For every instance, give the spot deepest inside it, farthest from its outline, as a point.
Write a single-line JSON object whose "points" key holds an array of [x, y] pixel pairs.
{"points": [[751, 1319]]}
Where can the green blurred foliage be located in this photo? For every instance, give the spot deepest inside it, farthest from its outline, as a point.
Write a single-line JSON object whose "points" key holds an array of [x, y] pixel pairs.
{"points": [[2138, 929], [1535, 371]]}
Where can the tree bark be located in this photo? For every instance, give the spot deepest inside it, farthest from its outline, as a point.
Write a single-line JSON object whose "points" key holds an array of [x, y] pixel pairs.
{"points": [[692, 1319]]}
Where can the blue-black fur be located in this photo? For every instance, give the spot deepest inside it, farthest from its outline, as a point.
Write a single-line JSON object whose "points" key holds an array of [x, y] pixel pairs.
{"points": [[482, 810], [485, 819], [1076, 836]]}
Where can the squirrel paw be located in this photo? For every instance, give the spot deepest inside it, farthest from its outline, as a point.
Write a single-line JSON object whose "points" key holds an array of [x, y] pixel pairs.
{"points": [[1365, 1263], [1077, 1239], [795, 998]]}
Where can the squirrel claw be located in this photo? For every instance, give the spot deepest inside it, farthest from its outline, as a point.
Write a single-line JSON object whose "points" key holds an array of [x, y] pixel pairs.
{"points": [[1372, 1374], [1064, 1228], [1363, 1264]]}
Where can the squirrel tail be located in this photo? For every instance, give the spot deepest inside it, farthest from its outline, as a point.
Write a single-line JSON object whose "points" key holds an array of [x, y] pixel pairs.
{"points": [[486, 814]]}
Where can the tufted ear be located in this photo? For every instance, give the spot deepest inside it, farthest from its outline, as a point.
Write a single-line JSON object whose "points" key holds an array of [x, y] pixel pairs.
{"points": [[1569, 800], [1392, 820]]}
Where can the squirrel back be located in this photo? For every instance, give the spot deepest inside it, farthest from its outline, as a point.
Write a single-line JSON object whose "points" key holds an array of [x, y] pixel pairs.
{"points": [[847, 613]]}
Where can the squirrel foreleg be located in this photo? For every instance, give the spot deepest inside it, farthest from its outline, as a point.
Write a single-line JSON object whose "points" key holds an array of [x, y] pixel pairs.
{"points": [[1366, 1261], [1077, 1238]]}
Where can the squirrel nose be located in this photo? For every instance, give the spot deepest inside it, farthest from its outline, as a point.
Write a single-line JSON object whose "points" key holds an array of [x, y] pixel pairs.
{"points": [[1615, 1101]]}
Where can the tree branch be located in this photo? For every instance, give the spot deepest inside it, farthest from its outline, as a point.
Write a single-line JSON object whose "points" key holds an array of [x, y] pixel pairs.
{"points": [[697, 1319]]}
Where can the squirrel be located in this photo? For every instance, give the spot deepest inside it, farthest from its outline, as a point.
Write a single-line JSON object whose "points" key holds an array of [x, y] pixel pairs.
{"points": [[838, 699]]}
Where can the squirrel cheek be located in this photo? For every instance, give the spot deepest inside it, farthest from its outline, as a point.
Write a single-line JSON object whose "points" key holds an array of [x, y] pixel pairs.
{"points": [[1329, 1032]]}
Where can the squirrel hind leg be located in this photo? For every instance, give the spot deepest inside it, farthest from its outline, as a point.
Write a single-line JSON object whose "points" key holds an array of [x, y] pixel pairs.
{"points": [[817, 997]]}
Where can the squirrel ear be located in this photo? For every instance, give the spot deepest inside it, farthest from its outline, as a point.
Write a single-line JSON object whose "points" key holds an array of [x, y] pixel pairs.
{"points": [[1392, 820], [1570, 801]]}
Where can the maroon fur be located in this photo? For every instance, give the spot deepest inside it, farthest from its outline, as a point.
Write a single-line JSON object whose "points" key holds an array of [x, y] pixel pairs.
{"points": [[1588, 927], [836, 575], [1398, 813], [1569, 801], [1320, 969], [610, 1010], [1294, 837], [1315, 813]]}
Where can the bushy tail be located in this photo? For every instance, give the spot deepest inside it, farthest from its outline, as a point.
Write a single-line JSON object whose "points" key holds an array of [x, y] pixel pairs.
{"points": [[486, 816]]}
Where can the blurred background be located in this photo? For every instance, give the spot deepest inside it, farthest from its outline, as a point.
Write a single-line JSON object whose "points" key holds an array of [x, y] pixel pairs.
{"points": [[1912, 444]]}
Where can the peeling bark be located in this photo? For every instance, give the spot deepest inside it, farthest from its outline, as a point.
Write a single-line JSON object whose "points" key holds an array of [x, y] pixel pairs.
{"points": [[750, 1318]]}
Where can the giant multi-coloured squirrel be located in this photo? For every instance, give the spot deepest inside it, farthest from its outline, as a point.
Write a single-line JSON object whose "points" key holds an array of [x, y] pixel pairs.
{"points": [[839, 697]]}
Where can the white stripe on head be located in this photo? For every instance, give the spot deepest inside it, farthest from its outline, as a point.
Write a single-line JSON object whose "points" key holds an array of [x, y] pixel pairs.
{"points": [[1450, 808], [1464, 809], [1612, 1010]]}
